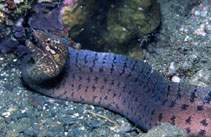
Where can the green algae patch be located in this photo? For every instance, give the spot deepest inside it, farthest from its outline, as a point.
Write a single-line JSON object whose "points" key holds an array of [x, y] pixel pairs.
{"points": [[110, 25], [131, 19]]}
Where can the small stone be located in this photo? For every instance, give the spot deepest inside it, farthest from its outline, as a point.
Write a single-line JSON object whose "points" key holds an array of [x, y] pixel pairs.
{"points": [[6, 114], [197, 13], [200, 31], [176, 79], [204, 14], [75, 115], [187, 38], [172, 66], [65, 133], [15, 60], [1, 58]]}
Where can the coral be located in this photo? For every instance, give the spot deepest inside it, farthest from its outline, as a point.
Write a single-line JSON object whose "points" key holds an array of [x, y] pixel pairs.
{"points": [[109, 25], [18, 31], [76, 13], [10, 4], [45, 18], [7, 45], [12, 10], [98, 25], [132, 18], [72, 15]]}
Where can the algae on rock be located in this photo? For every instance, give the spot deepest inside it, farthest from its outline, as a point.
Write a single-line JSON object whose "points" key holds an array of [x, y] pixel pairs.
{"points": [[110, 25], [130, 19], [74, 16]]}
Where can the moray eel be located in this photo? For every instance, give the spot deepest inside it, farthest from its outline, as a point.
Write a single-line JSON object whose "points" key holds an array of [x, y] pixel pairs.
{"points": [[122, 84]]}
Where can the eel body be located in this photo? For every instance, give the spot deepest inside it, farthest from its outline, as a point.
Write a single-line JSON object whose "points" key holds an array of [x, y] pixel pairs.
{"points": [[125, 85]]}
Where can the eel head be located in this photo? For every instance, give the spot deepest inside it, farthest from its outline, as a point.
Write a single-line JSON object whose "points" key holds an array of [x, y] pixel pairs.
{"points": [[47, 59]]}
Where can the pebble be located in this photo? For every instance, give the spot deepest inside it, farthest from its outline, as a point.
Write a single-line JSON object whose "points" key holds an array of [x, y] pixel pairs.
{"points": [[176, 79], [197, 13], [187, 38], [200, 31], [172, 67], [204, 14]]}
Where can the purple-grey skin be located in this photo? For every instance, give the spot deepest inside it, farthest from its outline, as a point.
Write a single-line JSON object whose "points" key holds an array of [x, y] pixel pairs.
{"points": [[125, 85]]}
